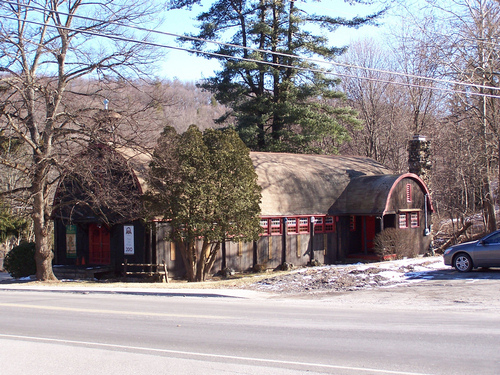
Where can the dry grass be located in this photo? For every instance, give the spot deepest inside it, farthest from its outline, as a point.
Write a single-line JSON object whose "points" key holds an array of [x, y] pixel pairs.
{"points": [[237, 281]]}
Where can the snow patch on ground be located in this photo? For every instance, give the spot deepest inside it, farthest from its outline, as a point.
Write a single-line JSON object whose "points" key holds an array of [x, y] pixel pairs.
{"points": [[343, 278]]}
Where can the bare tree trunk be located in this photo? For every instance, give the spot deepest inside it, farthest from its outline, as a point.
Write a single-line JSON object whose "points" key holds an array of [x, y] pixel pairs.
{"points": [[214, 249], [489, 206], [488, 200], [187, 257], [206, 259], [43, 253], [454, 237], [201, 261]]}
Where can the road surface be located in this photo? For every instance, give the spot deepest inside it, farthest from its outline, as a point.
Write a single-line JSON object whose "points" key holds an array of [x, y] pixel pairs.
{"points": [[169, 332]]}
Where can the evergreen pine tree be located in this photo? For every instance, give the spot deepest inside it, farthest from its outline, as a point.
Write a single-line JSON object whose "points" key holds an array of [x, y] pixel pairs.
{"points": [[279, 101]]}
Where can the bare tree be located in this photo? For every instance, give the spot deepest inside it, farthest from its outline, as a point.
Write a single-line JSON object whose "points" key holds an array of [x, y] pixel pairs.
{"points": [[457, 179], [381, 103], [417, 58], [456, 41], [46, 51], [99, 183], [470, 53]]}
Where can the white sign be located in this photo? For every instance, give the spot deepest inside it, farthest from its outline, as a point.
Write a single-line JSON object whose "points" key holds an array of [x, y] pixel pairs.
{"points": [[128, 239]]}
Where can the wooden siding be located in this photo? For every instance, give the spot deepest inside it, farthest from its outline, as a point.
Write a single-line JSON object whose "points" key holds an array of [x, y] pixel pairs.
{"points": [[398, 201]]}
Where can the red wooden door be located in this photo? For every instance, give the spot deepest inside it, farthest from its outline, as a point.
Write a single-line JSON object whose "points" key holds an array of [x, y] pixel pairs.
{"points": [[99, 249], [370, 232]]}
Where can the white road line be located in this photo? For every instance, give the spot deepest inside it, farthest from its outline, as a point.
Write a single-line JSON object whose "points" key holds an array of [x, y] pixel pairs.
{"points": [[207, 355]]}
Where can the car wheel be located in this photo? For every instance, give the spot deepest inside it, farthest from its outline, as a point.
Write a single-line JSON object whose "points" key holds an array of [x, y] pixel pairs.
{"points": [[462, 263]]}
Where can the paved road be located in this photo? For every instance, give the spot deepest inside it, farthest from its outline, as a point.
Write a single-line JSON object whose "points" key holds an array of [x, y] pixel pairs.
{"points": [[209, 333]]}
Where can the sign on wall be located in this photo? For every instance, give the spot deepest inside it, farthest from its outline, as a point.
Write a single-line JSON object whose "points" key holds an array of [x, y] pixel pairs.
{"points": [[128, 239], [70, 241]]}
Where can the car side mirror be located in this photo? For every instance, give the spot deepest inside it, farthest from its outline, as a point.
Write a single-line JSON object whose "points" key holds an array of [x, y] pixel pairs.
{"points": [[482, 242]]}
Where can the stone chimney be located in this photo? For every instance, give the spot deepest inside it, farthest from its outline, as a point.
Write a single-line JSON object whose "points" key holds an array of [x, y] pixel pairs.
{"points": [[419, 158]]}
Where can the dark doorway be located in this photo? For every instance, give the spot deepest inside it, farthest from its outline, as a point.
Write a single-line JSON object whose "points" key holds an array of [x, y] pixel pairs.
{"points": [[99, 248], [390, 221]]}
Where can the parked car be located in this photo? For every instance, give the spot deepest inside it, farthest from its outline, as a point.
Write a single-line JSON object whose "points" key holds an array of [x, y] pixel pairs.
{"points": [[482, 253]]}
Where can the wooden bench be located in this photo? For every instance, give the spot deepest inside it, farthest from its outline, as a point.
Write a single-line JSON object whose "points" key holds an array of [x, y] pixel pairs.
{"points": [[146, 269]]}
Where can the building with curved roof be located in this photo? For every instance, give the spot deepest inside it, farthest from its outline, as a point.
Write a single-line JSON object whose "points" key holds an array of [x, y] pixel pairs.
{"points": [[314, 207], [335, 205]]}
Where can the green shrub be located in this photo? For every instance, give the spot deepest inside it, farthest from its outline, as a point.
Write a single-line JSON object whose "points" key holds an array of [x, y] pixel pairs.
{"points": [[20, 261]]}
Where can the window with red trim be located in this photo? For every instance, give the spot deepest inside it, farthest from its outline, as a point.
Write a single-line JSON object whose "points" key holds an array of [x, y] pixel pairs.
{"points": [[403, 222], [414, 220], [303, 225], [264, 223], [275, 226], [408, 192], [329, 224], [291, 225], [319, 225]]}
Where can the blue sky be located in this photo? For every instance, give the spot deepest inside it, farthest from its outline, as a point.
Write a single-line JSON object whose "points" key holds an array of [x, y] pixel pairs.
{"points": [[187, 67]]}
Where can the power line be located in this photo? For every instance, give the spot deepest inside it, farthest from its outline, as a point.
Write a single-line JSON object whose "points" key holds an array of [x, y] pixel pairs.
{"points": [[281, 54], [325, 8], [215, 54]]}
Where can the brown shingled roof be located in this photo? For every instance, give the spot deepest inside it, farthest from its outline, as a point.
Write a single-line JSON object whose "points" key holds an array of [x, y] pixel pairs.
{"points": [[366, 195], [369, 195], [297, 184], [300, 184]]}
